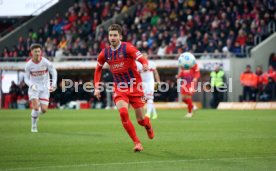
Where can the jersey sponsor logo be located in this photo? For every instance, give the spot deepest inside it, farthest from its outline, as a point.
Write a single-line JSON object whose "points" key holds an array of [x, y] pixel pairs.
{"points": [[121, 55], [117, 66], [38, 73]]}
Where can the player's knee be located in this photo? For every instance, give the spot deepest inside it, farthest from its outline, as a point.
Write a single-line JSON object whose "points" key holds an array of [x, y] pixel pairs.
{"points": [[35, 104], [185, 98], [44, 108], [35, 107]]}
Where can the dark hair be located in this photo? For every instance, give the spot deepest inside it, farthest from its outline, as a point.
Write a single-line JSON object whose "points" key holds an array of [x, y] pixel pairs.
{"points": [[35, 45], [260, 66], [115, 27]]}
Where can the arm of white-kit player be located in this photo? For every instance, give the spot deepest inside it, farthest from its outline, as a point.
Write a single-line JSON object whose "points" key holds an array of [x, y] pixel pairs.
{"points": [[53, 72], [28, 80]]}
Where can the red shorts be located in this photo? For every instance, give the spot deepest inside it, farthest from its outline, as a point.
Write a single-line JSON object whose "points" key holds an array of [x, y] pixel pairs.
{"points": [[135, 98], [187, 90]]}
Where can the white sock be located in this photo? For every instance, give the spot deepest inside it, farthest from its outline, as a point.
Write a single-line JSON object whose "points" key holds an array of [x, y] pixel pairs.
{"points": [[153, 109], [34, 115], [149, 106]]}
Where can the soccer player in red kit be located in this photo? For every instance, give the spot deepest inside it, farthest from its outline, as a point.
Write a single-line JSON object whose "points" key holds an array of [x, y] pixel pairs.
{"points": [[189, 78], [121, 57]]}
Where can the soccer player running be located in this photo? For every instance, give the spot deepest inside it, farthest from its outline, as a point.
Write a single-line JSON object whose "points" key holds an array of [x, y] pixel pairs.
{"points": [[149, 85], [37, 78], [189, 78], [121, 57]]}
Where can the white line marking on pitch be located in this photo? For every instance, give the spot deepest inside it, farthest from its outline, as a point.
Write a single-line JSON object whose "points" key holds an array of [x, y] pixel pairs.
{"points": [[134, 163]]}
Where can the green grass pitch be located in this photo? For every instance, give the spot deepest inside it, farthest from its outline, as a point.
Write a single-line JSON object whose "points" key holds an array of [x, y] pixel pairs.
{"points": [[95, 140]]}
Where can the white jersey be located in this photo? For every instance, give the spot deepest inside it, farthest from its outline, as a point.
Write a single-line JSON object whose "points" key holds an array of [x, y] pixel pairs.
{"points": [[38, 74], [147, 76]]}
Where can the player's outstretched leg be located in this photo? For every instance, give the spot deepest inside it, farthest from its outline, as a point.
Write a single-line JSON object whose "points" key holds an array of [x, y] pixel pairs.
{"points": [[154, 113], [34, 115], [34, 119], [151, 111], [138, 147], [154, 116], [149, 108], [190, 106], [43, 108], [127, 124], [144, 121]]}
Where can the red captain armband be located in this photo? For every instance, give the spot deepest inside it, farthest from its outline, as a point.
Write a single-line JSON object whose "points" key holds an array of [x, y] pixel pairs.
{"points": [[142, 60]]}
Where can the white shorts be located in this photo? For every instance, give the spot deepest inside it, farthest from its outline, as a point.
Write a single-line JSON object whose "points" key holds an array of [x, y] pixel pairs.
{"points": [[148, 89], [42, 95]]}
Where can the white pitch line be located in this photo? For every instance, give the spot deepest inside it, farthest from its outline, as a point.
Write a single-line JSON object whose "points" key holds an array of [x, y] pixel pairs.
{"points": [[134, 163]]}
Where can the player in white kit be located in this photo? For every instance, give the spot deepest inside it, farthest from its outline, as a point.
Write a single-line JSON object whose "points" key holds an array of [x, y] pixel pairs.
{"points": [[148, 85], [37, 78]]}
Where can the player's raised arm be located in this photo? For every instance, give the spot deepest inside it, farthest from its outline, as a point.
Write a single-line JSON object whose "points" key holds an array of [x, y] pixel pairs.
{"points": [[98, 74]]}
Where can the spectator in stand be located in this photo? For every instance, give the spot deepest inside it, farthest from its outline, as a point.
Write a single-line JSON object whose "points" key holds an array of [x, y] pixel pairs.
{"points": [[23, 89], [249, 82], [78, 21], [22, 98], [269, 91], [14, 93], [257, 91], [271, 73], [241, 39], [6, 53], [269, 78], [237, 49]]}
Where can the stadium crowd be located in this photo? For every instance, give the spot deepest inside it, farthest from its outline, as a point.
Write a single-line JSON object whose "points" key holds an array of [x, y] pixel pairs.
{"points": [[73, 33], [160, 27]]}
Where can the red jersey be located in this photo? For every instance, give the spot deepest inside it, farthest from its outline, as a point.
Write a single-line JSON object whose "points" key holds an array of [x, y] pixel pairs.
{"points": [[189, 75], [270, 73], [122, 63]]}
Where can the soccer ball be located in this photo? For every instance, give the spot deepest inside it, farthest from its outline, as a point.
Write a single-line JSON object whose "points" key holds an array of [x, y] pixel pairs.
{"points": [[186, 60]]}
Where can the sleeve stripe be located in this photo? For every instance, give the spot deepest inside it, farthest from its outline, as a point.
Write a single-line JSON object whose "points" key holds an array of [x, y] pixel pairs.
{"points": [[139, 57]]}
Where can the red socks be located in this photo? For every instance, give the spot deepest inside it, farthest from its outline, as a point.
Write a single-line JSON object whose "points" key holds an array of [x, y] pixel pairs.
{"points": [[189, 103], [144, 122], [128, 125]]}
